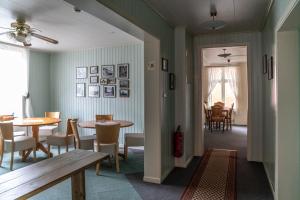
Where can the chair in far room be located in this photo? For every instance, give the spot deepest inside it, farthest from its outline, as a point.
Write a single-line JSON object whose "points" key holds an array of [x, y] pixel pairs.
{"points": [[133, 140], [82, 142], [45, 131], [104, 117]]}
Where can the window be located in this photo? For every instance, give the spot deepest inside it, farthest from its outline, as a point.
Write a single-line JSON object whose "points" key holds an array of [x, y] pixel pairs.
{"points": [[13, 79], [222, 83]]}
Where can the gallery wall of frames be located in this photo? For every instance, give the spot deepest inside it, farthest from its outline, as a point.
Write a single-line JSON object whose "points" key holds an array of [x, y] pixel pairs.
{"points": [[108, 81]]}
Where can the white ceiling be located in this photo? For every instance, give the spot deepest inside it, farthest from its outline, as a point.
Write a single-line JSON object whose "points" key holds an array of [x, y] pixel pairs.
{"points": [[57, 19], [211, 58], [240, 15]]}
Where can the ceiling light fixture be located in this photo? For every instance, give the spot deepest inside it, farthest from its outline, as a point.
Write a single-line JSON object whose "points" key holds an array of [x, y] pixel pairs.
{"points": [[224, 55], [214, 24]]}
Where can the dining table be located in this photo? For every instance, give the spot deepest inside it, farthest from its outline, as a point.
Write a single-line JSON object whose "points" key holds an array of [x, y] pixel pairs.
{"points": [[35, 123]]}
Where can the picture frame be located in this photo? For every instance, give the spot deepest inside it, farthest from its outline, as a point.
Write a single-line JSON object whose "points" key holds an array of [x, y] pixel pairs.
{"points": [[123, 71], [265, 64], [171, 81], [94, 79], [111, 81], [164, 64], [107, 71], [109, 91], [124, 83], [124, 93], [103, 81], [94, 91], [94, 69], [80, 89], [271, 69], [81, 72]]}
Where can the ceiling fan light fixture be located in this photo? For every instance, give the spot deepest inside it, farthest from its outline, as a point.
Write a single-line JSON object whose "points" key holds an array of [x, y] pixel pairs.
{"points": [[214, 24], [224, 55]]}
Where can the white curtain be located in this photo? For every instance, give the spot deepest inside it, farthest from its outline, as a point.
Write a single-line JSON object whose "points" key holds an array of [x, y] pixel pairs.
{"points": [[231, 75], [214, 76], [13, 79]]}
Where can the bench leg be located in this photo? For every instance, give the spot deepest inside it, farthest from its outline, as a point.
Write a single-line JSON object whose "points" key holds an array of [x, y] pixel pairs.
{"points": [[78, 186]]}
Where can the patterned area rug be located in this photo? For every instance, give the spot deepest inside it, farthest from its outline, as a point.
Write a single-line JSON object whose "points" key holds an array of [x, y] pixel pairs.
{"points": [[214, 178]]}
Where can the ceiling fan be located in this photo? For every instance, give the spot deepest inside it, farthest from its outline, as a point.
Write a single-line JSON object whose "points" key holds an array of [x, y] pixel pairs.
{"points": [[22, 32], [224, 55]]}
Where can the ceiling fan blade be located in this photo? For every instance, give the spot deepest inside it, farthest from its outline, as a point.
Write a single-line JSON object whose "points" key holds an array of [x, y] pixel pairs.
{"points": [[44, 38], [26, 44], [6, 32], [7, 28]]}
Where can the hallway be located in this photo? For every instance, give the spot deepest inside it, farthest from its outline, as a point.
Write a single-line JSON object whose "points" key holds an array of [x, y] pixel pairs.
{"points": [[252, 182]]}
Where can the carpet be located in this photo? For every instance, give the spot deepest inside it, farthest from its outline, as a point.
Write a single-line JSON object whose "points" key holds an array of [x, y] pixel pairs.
{"points": [[214, 178]]}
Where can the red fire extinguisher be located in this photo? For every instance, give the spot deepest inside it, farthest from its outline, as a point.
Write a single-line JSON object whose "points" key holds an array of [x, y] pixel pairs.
{"points": [[178, 143]]}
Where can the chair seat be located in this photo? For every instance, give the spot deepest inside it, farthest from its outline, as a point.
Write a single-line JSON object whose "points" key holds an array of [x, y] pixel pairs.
{"points": [[60, 140], [19, 133], [87, 142], [21, 143], [218, 118], [134, 139], [49, 127]]}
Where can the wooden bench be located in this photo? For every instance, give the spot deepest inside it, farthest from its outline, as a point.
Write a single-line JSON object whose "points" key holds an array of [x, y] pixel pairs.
{"points": [[28, 181]]}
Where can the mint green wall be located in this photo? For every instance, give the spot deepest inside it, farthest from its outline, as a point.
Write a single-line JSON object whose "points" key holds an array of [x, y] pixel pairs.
{"points": [[39, 88], [63, 86], [138, 12], [269, 88]]}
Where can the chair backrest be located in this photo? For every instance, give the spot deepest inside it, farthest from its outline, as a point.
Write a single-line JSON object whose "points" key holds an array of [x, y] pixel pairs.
{"points": [[69, 130], [104, 117], [230, 110], [75, 132], [219, 103], [6, 131], [55, 115], [107, 133], [217, 111]]}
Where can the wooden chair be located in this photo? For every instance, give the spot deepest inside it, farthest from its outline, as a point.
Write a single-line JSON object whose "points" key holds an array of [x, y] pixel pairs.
{"points": [[228, 118], [207, 116], [108, 134], [217, 116], [104, 117], [219, 103], [82, 142], [10, 143], [59, 139], [133, 140], [45, 131]]}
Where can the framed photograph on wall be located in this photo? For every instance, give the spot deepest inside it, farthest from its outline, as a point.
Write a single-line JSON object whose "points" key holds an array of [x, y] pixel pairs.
{"points": [[94, 79], [111, 81], [94, 91], [94, 69], [271, 69], [103, 81], [109, 91], [164, 64], [172, 81], [265, 64], [81, 72], [80, 89], [124, 83], [108, 71], [124, 93], [123, 71]]}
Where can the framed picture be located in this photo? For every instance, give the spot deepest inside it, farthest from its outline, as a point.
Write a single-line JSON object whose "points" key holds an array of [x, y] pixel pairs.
{"points": [[108, 71], [172, 81], [111, 81], [81, 72], [271, 69], [94, 69], [94, 79], [94, 91], [123, 71], [265, 64], [124, 83], [124, 93], [164, 64], [109, 91], [80, 89], [103, 81]]}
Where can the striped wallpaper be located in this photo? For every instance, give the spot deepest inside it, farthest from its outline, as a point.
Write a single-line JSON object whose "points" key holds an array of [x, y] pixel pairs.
{"points": [[63, 86]]}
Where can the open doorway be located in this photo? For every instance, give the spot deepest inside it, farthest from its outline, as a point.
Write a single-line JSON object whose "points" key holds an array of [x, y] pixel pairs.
{"points": [[224, 83]]}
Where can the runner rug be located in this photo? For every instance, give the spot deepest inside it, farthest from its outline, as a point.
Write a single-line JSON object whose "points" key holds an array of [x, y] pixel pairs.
{"points": [[214, 179]]}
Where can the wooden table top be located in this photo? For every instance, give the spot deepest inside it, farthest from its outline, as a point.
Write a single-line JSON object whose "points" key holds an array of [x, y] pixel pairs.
{"points": [[36, 121], [30, 180], [92, 124]]}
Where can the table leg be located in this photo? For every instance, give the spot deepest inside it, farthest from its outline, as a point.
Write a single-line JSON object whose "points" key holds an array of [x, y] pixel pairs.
{"points": [[78, 186]]}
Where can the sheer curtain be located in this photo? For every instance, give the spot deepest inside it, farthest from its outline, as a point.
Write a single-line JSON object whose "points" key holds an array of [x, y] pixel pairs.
{"points": [[13, 79], [214, 76], [231, 75]]}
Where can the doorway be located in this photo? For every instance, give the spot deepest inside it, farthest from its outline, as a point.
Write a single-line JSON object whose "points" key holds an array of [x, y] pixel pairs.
{"points": [[224, 80]]}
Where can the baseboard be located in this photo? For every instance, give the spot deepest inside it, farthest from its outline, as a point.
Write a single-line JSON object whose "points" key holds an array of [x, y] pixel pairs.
{"points": [[166, 174], [269, 180], [185, 164], [152, 179]]}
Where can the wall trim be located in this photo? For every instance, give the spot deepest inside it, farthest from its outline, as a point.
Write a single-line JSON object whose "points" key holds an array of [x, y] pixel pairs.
{"points": [[286, 14], [152, 179], [269, 180], [185, 164]]}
